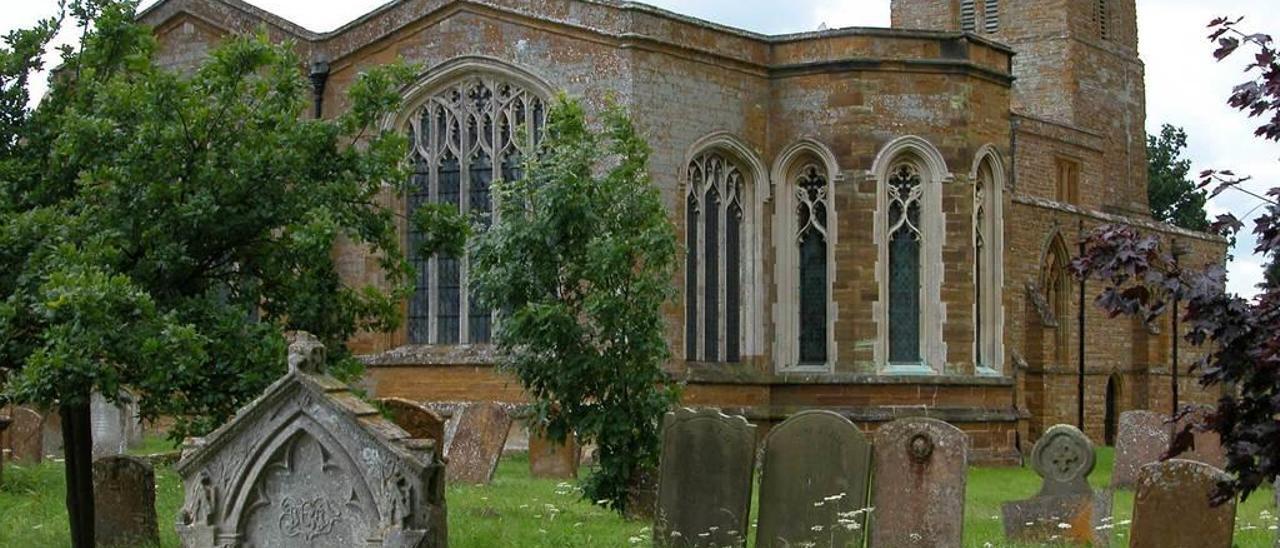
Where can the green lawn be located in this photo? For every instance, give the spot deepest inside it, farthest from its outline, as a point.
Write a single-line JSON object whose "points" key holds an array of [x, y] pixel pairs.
{"points": [[519, 511]]}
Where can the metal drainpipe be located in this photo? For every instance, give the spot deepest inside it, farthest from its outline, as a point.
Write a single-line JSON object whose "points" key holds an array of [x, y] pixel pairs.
{"points": [[319, 77]]}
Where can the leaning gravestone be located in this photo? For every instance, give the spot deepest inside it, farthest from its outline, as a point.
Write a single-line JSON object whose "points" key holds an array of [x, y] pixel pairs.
{"points": [[1142, 439], [310, 464], [477, 445], [704, 480], [920, 468], [418, 421], [1066, 509], [116, 426], [813, 483], [124, 502], [1172, 510], [551, 460], [25, 436]]}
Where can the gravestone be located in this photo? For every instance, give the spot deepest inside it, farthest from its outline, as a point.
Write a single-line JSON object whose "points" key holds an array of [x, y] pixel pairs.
{"points": [[1207, 447], [1066, 509], [551, 460], [116, 426], [5, 421], [920, 470], [1171, 508], [477, 444], [53, 433], [310, 464], [124, 502], [1142, 439], [415, 419], [813, 482], [25, 438], [704, 479]]}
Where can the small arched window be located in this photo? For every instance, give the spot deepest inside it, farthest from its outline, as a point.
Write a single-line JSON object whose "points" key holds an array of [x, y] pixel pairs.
{"points": [[463, 136], [988, 244], [1057, 293], [716, 208], [805, 239]]}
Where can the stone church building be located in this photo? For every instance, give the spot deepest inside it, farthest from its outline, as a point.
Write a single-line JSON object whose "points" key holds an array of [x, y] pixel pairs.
{"points": [[873, 221]]}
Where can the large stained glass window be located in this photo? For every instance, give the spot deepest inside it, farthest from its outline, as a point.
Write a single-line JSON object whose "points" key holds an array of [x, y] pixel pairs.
{"points": [[904, 196], [811, 237], [462, 138], [714, 261]]}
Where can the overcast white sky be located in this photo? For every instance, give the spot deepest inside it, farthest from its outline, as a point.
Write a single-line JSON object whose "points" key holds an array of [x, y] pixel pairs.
{"points": [[1185, 87]]}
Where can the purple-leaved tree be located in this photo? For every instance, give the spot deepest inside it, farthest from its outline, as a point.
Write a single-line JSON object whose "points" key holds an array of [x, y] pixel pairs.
{"points": [[1242, 335]]}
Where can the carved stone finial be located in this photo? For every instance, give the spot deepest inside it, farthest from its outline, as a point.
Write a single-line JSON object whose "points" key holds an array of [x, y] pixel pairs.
{"points": [[306, 353]]}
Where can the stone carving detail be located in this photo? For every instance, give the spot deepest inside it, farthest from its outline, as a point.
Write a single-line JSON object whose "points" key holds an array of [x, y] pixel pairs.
{"points": [[309, 464], [1064, 458]]}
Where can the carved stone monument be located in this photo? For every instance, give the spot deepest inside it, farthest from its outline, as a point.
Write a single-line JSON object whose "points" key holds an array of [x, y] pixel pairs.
{"points": [[25, 436], [477, 444], [920, 472], [309, 464], [813, 482], [1142, 439], [417, 420], [1066, 509], [1171, 508], [124, 502], [551, 460], [704, 480]]}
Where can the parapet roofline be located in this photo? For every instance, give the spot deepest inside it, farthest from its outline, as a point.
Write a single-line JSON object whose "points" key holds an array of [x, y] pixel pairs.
{"points": [[620, 5]]}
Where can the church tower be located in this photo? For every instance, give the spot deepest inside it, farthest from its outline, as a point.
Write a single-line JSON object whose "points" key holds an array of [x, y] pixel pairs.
{"points": [[1079, 79]]}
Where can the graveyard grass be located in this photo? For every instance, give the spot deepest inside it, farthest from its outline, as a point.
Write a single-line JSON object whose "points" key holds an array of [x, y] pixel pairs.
{"points": [[517, 510]]}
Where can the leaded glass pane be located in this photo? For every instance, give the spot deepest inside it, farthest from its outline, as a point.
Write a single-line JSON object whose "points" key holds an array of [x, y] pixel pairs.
{"points": [[419, 302], [691, 278], [733, 282], [904, 266], [811, 216], [711, 278]]}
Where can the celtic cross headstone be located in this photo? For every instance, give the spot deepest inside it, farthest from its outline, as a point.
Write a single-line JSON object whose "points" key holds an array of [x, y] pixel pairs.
{"points": [[1066, 510]]}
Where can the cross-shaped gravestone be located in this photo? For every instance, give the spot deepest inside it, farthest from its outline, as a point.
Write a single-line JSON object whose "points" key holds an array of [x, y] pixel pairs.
{"points": [[1066, 510]]}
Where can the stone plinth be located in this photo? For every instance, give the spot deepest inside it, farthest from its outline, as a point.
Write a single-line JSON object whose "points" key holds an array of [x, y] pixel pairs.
{"points": [[310, 464]]}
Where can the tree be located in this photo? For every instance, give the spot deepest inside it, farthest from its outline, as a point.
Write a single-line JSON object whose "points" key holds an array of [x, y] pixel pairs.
{"points": [[1174, 197], [159, 232], [580, 257], [1243, 335]]}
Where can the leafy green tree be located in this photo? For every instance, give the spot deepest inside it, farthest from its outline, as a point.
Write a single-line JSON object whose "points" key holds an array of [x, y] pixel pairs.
{"points": [[580, 257], [1174, 197], [159, 232]]}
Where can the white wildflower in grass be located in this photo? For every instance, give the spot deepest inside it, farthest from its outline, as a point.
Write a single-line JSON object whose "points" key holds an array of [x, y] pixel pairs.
{"points": [[577, 524], [915, 537], [1064, 525], [1125, 522], [833, 498], [1272, 527], [704, 535], [818, 504], [816, 528], [635, 540], [987, 545], [1029, 523], [713, 529]]}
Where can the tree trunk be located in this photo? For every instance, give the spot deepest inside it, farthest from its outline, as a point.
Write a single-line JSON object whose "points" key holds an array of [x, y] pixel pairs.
{"points": [[77, 444]]}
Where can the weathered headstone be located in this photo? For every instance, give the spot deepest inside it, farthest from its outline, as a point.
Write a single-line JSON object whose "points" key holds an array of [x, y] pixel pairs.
{"points": [[920, 471], [116, 426], [310, 464], [813, 482], [704, 480], [477, 444], [415, 419], [124, 502], [1066, 509], [1207, 447], [551, 460], [1142, 439], [1171, 508], [5, 421], [24, 436], [53, 433]]}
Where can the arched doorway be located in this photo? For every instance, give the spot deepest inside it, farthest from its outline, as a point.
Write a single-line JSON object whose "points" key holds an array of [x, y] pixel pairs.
{"points": [[1111, 416]]}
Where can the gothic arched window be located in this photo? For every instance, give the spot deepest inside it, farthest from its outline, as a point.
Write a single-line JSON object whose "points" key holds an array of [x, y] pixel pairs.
{"points": [[988, 276], [1057, 293], [716, 258], [812, 226], [905, 194], [463, 137]]}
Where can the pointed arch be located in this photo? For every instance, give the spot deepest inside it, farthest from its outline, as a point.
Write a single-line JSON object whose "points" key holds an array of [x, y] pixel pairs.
{"points": [[805, 237], [988, 177], [910, 231], [1056, 285], [725, 185], [469, 120]]}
